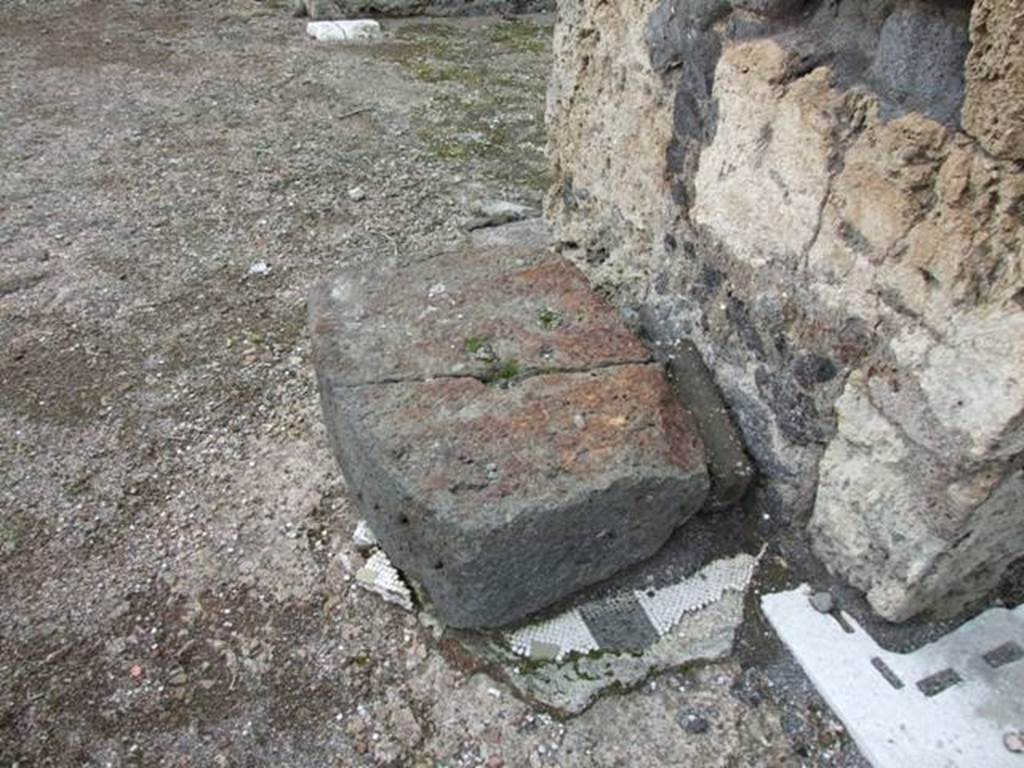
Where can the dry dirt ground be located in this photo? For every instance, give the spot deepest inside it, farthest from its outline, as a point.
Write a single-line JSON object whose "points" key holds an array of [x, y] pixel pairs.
{"points": [[175, 556]]}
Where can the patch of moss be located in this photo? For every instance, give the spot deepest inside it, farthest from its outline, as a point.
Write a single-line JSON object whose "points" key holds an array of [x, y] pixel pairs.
{"points": [[8, 539], [548, 319], [522, 36], [485, 111], [579, 671], [475, 343], [503, 372], [468, 130], [427, 31]]}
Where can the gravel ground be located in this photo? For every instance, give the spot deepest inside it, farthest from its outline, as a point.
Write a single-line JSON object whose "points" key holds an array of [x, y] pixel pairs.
{"points": [[175, 556]]}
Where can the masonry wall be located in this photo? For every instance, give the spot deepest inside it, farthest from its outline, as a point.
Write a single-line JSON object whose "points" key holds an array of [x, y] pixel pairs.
{"points": [[828, 198]]}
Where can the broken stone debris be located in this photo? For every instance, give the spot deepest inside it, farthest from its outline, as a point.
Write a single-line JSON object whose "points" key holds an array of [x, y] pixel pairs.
{"points": [[1014, 742], [364, 539], [618, 641], [471, 470], [358, 30], [579, 631], [494, 213], [693, 722], [528, 234], [823, 602]]}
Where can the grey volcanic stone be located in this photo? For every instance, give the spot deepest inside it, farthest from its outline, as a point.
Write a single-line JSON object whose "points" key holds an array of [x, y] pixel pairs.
{"points": [[529, 234], [728, 465], [501, 482], [823, 602]]}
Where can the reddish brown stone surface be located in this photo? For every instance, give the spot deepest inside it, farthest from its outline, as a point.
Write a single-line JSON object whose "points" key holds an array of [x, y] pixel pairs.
{"points": [[501, 486], [436, 317]]}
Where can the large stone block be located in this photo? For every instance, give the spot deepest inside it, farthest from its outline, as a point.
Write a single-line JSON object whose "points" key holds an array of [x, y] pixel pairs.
{"points": [[921, 491], [508, 438]]}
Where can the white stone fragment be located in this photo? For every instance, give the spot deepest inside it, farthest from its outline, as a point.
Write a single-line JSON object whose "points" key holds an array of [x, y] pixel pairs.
{"points": [[344, 31], [895, 722], [364, 539], [1014, 741]]}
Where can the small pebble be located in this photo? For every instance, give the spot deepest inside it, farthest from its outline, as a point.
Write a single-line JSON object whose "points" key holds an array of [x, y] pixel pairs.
{"points": [[1014, 742], [823, 602], [693, 723], [364, 539], [486, 354], [356, 194]]}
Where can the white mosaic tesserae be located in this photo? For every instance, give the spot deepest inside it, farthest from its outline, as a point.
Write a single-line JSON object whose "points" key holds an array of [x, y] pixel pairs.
{"points": [[554, 638], [665, 607], [380, 577], [569, 632]]}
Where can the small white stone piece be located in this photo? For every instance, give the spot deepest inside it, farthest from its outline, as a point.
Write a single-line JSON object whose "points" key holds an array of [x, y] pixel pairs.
{"points": [[259, 269], [1014, 742], [380, 577], [355, 30], [364, 539], [357, 194], [823, 602]]}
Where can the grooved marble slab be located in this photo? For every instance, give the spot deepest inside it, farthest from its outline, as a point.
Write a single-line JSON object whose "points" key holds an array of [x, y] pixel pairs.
{"points": [[951, 704]]}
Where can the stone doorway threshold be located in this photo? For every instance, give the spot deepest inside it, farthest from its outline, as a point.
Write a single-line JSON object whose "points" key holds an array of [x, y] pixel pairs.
{"points": [[955, 702]]}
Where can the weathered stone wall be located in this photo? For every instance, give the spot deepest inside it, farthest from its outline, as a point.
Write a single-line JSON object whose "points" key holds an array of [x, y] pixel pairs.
{"points": [[828, 198]]}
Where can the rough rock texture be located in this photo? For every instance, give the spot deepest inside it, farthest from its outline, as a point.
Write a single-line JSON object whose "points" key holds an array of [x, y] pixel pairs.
{"points": [[508, 438], [788, 185], [994, 107], [332, 9]]}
